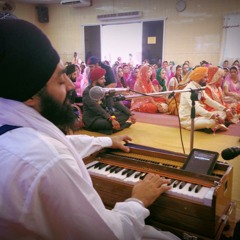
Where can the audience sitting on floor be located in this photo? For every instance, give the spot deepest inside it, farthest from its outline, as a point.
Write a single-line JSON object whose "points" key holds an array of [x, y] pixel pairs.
{"points": [[82, 67], [110, 81], [118, 72], [165, 66], [176, 78], [185, 69], [231, 87], [73, 73], [85, 81], [104, 115], [203, 118], [126, 71], [225, 64], [173, 102], [156, 80], [143, 85], [121, 83], [214, 91], [236, 63], [156, 86], [130, 82], [161, 78]]}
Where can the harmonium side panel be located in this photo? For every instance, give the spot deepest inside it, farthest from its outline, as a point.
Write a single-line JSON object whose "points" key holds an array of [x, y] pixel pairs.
{"points": [[185, 216], [224, 188], [205, 234]]}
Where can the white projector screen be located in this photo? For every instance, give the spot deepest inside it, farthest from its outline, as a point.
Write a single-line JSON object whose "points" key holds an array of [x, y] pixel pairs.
{"points": [[120, 40]]}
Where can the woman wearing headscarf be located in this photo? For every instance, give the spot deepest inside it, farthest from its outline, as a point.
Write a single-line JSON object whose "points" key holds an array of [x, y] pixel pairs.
{"points": [[157, 87], [185, 69], [171, 69], [232, 84], [213, 87], [214, 91], [161, 78], [144, 85], [121, 83], [173, 103], [130, 82]]}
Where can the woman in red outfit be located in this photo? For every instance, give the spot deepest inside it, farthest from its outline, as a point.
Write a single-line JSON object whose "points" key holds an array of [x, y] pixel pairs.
{"points": [[144, 85]]}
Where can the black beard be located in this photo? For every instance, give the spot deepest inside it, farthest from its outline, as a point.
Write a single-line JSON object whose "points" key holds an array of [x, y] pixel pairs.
{"points": [[60, 114], [100, 85], [73, 79], [202, 84]]}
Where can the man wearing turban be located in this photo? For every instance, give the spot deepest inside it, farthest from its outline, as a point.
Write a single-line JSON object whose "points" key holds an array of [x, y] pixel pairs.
{"points": [[203, 119], [110, 81], [46, 190], [104, 115]]}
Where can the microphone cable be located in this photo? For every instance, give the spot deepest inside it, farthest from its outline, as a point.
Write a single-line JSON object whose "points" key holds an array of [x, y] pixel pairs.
{"points": [[179, 123]]}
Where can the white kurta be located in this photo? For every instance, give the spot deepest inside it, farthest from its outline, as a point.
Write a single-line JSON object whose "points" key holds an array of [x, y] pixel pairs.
{"points": [[46, 191], [202, 116]]}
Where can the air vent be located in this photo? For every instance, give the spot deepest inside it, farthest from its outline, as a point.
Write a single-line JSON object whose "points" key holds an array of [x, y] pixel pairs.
{"points": [[117, 16], [77, 3]]}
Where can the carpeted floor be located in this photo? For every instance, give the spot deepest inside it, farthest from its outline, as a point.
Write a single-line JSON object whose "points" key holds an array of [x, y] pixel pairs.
{"points": [[161, 131], [172, 121]]}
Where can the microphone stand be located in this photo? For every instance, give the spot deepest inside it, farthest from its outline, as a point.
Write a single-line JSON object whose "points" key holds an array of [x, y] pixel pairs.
{"points": [[109, 102], [122, 97], [194, 97]]}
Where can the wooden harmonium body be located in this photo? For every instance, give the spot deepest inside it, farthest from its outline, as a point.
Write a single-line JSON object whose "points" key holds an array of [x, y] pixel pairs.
{"points": [[197, 206]]}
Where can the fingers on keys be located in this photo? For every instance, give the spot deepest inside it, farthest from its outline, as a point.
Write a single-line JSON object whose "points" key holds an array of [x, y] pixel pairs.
{"points": [[160, 182]]}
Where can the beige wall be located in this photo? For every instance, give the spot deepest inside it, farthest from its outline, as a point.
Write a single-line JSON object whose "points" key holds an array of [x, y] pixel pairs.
{"points": [[195, 34]]}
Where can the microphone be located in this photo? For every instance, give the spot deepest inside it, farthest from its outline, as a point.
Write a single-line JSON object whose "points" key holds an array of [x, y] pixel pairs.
{"points": [[97, 93], [230, 153]]}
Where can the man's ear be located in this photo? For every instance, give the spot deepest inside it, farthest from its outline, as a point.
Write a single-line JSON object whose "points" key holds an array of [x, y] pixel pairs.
{"points": [[33, 102]]}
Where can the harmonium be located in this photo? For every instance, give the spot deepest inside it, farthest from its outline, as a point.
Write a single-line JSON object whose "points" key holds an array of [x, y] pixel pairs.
{"points": [[197, 207]]}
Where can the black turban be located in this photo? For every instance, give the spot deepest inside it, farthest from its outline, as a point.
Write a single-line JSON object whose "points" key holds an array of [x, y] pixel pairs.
{"points": [[27, 59]]}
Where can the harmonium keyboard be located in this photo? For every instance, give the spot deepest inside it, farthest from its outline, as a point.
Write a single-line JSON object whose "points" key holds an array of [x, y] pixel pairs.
{"points": [[197, 207]]}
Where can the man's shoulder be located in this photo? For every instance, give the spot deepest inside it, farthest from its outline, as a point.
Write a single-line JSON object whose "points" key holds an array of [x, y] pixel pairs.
{"points": [[32, 140], [31, 146], [191, 85]]}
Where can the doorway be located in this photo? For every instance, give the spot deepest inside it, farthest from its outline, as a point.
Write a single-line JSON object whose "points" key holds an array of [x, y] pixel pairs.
{"points": [[135, 41]]}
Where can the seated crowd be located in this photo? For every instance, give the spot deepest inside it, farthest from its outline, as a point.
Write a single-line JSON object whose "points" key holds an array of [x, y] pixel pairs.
{"points": [[218, 106]]}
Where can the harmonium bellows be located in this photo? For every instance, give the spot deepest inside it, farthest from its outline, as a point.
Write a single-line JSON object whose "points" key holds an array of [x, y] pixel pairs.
{"points": [[197, 207]]}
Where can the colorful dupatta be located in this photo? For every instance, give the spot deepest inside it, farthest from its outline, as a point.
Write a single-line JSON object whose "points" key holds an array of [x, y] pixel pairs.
{"points": [[161, 81]]}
